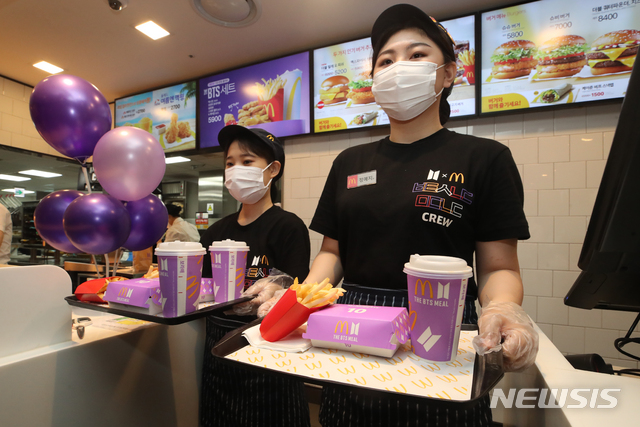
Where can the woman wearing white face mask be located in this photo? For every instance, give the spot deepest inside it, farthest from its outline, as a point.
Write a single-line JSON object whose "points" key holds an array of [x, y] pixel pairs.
{"points": [[254, 161], [429, 191]]}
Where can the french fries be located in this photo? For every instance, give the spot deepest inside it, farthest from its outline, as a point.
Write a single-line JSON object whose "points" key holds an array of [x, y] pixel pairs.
{"points": [[468, 57], [270, 87], [313, 295], [152, 273]]}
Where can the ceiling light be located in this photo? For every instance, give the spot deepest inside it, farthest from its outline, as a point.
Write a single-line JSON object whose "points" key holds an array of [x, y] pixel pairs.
{"points": [[13, 178], [13, 190], [176, 159], [49, 68], [228, 13], [153, 30], [41, 174]]}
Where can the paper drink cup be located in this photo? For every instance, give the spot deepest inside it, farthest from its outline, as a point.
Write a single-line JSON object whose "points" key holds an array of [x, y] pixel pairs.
{"points": [[437, 288], [180, 269], [228, 264]]}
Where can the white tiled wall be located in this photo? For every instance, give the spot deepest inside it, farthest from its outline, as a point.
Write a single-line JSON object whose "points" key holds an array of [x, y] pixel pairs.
{"points": [[561, 157], [16, 128]]}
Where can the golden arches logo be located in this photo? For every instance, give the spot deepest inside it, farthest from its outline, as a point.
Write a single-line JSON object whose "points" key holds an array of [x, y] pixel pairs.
{"points": [[454, 364], [409, 371], [383, 377], [255, 359], [393, 361], [279, 355], [307, 356], [194, 284], [325, 375], [372, 365], [329, 351], [271, 137], [442, 397], [421, 384], [360, 355], [313, 366], [256, 351], [343, 325], [283, 363], [292, 95], [357, 381], [270, 108], [455, 177], [347, 370], [403, 390], [446, 378], [123, 292], [431, 367], [338, 359], [423, 284]]}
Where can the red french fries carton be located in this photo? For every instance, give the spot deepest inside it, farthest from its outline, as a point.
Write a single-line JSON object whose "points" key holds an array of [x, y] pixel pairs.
{"points": [[285, 317], [93, 290]]}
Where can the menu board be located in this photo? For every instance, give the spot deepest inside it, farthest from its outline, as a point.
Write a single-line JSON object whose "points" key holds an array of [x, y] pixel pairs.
{"points": [[555, 52], [272, 95], [169, 114], [342, 82]]}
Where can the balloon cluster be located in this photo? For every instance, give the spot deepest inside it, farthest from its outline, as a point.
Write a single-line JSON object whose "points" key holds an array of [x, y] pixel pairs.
{"points": [[74, 118]]}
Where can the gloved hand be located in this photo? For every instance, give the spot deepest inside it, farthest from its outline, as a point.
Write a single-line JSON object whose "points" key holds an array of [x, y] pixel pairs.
{"points": [[506, 325], [267, 306], [264, 289]]}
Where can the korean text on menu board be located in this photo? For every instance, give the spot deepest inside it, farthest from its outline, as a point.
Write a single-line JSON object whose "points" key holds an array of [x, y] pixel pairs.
{"points": [[342, 96], [555, 52], [273, 95], [169, 114]]}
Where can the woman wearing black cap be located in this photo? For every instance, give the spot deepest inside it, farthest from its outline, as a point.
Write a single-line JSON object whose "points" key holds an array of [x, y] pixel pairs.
{"points": [[427, 191], [254, 160]]}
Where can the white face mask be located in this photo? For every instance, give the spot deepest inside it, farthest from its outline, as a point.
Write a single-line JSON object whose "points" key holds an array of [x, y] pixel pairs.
{"points": [[406, 89], [246, 183]]}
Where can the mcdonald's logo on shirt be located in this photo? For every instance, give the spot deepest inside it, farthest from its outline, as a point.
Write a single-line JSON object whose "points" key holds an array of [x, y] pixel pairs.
{"points": [[455, 176], [352, 181]]}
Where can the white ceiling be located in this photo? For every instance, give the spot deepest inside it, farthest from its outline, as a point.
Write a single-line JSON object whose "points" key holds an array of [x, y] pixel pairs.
{"points": [[87, 39]]}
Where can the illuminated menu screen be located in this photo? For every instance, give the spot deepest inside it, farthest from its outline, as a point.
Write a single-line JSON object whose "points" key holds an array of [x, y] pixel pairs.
{"points": [[169, 114], [342, 97], [555, 52], [273, 95]]}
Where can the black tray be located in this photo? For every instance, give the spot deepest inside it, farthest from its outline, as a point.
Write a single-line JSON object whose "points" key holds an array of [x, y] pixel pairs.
{"points": [[73, 300], [487, 371]]}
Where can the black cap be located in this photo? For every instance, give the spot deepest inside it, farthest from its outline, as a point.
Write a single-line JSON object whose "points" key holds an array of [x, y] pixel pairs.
{"points": [[230, 133], [402, 16]]}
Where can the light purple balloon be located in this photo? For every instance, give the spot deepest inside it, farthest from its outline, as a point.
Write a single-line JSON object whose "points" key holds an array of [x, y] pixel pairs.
{"points": [[129, 163], [70, 114]]}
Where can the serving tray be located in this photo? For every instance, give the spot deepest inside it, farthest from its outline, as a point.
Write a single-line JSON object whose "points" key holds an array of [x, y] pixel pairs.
{"points": [[212, 309], [487, 370]]}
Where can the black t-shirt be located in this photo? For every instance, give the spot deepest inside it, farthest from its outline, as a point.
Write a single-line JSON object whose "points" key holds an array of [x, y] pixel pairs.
{"points": [[385, 201], [277, 239]]}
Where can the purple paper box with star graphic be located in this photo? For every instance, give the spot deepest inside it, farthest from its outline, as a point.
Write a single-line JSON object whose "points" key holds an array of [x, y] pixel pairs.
{"points": [[378, 331]]}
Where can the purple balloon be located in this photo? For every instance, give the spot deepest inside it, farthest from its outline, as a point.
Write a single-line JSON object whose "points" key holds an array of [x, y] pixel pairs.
{"points": [[149, 221], [70, 114], [48, 219], [129, 163], [97, 223]]}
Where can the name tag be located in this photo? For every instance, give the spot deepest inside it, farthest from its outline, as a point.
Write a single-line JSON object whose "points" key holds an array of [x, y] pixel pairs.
{"points": [[361, 179]]}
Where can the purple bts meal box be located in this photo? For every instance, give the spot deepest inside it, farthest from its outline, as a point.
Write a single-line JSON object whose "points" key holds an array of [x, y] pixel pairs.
{"points": [[136, 295], [378, 331], [206, 290]]}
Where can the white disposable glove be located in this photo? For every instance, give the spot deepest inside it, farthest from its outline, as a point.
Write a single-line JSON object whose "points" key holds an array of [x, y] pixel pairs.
{"points": [[506, 325]]}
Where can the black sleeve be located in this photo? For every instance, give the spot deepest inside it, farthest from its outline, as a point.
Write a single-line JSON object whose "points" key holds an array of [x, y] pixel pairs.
{"points": [[325, 220], [501, 214], [295, 249]]}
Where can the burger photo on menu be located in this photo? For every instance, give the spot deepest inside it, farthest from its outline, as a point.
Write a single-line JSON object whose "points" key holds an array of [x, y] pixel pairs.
{"points": [[334, 90], [614, 52], [460, 47], [360, 90], [512, 59], [561, 56]]}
